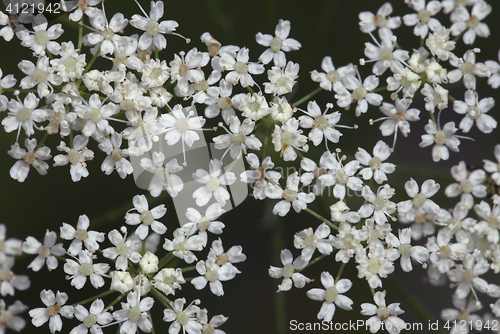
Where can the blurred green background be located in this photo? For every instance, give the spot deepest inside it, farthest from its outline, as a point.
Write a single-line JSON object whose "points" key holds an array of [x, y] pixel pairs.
{"points": [[328, 27]]}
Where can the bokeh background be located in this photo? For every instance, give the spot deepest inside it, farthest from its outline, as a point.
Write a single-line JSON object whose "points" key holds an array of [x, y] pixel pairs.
{"points": [[325, 28]]}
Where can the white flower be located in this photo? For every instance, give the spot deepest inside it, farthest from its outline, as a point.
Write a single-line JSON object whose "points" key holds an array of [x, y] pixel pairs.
{"points": [[123, 250], [183, 318], [79, 271], [469, 184], [443, 139], [71, 64], [408, 252], [213, 183], [121, 281], [55, 308], [348, 241], [104, 36], [6, 82], [168, 280], [212, 273], [277, 44], [163, 175], [331, 76], [468, 69], [134, 314], [462, 313], [153, 30], [288, 272], [42, 38], [116, 159], [10, 247], [292, 197], [187, 68], [41, 75], [45, 252], [463, 20], [265, 182], [77, 156], [287, 138], [96, 116], [146, 217], [238, 137], [79, 7], [475, 110], [384, 55], [282, 81], [240, 68], [211, 327], [182, 245], [80, 236], [376, 265], [435, 96], [281, 110], [383, 314], [339, 175], [91, 319], [423, 20], [9, 282], [493, 67], [368, 21], [419, 199], [253, 106], [379, 204], [222, 103], [7, 32], [10, 318], [466, 276], [376, 167], [406, 80], [361, 92], [491, 221], [197, 222], [308, 241], [24, 115], [33, 157], [443, 254], [331, 296]]}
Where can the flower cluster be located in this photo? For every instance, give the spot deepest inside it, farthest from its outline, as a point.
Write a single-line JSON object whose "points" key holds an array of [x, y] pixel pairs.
{"points": [[162, 103]]}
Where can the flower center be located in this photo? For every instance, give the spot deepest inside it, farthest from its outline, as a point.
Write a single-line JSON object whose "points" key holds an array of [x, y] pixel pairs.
{"points": [[466, 186], [183, 69], [122, 249], [419, 200], [212, 275], [467, 68], [95, 115], [359, 93], [373, 265], [444, 252], [375, 163], [424, 15], [261, 173], [290, 195], [333, 76], [161, 173], [42, 37], [70, 64], [81, 234], [134, 314], [155, 73], [201, 86], [29, 158], [5, 317], [288, 270], [311, 240], [241, 67], [213, 184], [440, 138], [493, 222], [44, 251], [319, 171], [331, 294], [469, 276], [383, 312], [224, 102], [6, 275], [53, 310], [40, 75], [223, 258], [86, 269], [474, 112], [152, 27], [341, 176], [237, 138], [90, 320], [204, 224], [147, 217], [207, 329], [286, 138], [182, 124], [127, 105], [213, 49], [386, 55], [117, 153], [24, 114], [107, 34], [73, 156], [380, 21], [472, 22], [321, 122], [276, 44], [378, 203], [182, 318], [405, 249]]}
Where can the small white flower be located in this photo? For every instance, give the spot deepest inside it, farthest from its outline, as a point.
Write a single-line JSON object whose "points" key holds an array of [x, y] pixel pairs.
{"points": [[42, 38], [288, 272], [10, 318], [238, 137], [183, 318], [308, 241], [45, 252], [168, 280], [81, 236], [52, 313], [146, 217], [383, 314], [9, 282], [376, 265], [213, 184], [71, 64], [435, 96], [253, 106], [182, 245], [439, 44], [492, 167], [419, 199], [292, 197], [240, 69], [384, 55], [77, 156], [408, 252], [41, 75], [163, 175], [79, 271], [332, 295], [277, 44], [475, 112], [264, 181], [287, 138], [356, 90], [468, 69], [423, 20], [91, 319], [123, 250], [149, 263], [466, 276], [376, 167], [443, 139], [134, 314], [470, 184], [368, 21], [282, 81], [208, 222], [24, 114], [33, 157], [331, 76], [443, 254], [463, 20], [379, 204]]}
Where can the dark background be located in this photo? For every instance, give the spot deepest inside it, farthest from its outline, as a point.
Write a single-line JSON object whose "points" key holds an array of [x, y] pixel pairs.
{"points": [[324, 28]]}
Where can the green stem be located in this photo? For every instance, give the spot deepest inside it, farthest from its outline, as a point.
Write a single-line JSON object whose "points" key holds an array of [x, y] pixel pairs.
{"points": [[278, 244], [323, 219], [161, 297], [307, 97], [188, 269], [312, 262], [166, 259], [339, 274], [89, 66], [117, 299]]}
